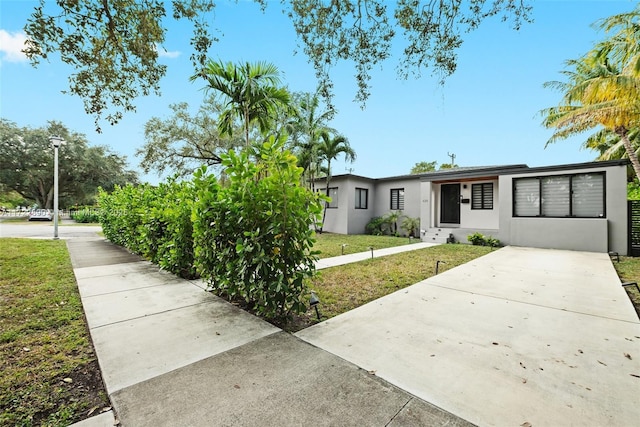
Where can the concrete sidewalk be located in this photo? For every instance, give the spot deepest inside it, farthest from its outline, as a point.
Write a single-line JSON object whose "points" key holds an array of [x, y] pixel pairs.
{"points": [[518, 337], [172, 354], [375, 253]]}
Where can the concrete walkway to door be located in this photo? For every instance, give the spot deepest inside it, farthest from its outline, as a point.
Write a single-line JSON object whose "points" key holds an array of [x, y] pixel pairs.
{"points": [[518, 337]]}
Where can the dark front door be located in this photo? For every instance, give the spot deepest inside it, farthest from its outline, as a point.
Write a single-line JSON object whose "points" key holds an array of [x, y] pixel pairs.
{"points": [[450, 203]]}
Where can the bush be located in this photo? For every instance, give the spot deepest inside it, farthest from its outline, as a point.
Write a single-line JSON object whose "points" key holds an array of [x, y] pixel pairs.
{"points": [[478, 239], [253, 238], [86, 215], [411, 226], [375, 226], [250, 240], [154, 222], [493, 242]]}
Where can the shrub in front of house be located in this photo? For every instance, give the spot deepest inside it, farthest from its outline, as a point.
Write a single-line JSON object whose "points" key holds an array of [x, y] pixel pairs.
{"points": [[250, 240], [253, 238], [479, 239], [375, 226]]}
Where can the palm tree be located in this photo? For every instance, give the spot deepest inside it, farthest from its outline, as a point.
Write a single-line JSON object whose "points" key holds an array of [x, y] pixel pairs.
{"points": [[603, 87], [252, 91], [610, 146], [305, 129], [330, 149]]}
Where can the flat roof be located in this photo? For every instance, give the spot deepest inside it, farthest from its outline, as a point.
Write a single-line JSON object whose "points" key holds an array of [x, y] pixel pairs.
{"points": [[481, 171]]}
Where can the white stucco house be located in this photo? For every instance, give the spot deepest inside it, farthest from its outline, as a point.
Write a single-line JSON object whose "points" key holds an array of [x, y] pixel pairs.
{"points": [[577, 206]]}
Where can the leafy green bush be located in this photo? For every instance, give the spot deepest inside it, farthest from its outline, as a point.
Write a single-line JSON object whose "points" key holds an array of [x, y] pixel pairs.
{"points": [[253, 238], [154, 222], [479, 239], [476, 239], [375, 226], [121, 215], [411, 226], [492, 241], [633, 191], [85, 215]]}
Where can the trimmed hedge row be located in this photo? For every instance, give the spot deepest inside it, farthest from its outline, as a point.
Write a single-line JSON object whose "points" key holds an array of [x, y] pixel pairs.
{"points": [[250, 239]]}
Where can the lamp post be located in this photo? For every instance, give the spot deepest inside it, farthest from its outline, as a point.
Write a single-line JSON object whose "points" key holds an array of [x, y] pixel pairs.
{"points": [[56, 141]]}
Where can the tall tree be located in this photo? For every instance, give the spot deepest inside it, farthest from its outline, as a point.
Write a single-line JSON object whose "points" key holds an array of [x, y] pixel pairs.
{"points": [[305, 128], [252, 93], [184, 141], [26, 165], [112, 46], [603, 87], [610, 146], [329, 149]]}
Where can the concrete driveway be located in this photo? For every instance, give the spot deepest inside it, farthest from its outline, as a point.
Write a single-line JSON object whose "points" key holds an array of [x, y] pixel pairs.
{"points": [[518, 337]]}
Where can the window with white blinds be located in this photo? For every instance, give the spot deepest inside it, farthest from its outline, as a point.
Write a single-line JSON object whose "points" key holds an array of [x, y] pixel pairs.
{"points": [[397, 199], [556, 196], [588, 195], [482, 196], [526, 197], [577, 196]]}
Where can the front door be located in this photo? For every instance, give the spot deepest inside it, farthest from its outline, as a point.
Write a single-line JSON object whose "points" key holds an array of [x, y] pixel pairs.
{"points": [[450, 203]]}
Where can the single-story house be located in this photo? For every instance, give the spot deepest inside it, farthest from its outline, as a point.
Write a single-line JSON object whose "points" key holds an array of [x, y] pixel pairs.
{"points": [[579, 206]]}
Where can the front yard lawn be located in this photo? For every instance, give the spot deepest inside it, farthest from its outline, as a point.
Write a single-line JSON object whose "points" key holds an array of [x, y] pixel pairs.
{"points": [[629, 271], [330, 244], [49, 374], [346, 287]]}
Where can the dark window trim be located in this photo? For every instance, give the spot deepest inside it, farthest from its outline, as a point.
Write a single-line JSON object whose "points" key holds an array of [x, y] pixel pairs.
{"points": [[398, 208], [366, 200], [328, 195], [483, 206], [570, 176]]}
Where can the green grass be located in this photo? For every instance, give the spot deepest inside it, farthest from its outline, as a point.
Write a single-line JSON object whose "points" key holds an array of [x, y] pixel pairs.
{"points": [[346, 287], [628, 270], [330, 244], [44, 339]]}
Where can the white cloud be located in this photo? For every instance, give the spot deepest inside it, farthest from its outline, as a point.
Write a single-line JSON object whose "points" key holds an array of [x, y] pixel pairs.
{"points": [[11, 45], [164, 53]]}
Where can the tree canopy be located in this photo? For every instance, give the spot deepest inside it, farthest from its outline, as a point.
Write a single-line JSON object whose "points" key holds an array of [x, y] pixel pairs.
{"points": [[252, 93], [422, 167], [185, 141], [112, 47], [602, 88], [26, 165]]}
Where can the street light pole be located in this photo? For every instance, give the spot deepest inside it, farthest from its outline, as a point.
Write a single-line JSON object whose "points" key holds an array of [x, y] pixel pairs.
{"points": [[56, 141]]}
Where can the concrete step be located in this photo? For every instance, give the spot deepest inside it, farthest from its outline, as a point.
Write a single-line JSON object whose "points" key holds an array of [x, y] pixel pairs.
{"points": [[436, 235]]}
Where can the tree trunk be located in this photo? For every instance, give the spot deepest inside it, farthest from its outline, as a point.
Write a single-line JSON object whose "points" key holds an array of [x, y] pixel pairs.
{"points": [[633, 157], [246, 125], [324, 214], [49, 203]]}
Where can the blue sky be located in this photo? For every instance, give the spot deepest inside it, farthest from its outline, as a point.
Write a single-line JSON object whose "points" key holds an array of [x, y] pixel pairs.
{"points": [[486, 113]]}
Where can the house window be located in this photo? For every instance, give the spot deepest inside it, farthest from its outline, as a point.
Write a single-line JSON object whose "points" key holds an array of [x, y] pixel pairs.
{"points": [[362, 198], [559, 196], [333, 193], [482, 196], [397, 199]]}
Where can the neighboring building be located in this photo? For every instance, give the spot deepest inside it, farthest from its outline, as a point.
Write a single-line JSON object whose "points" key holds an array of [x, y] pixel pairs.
{"points": [[579, 206]]}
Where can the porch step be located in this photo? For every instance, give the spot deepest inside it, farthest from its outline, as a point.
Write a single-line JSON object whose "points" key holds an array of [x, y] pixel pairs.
{"points": [[436, 235]]}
